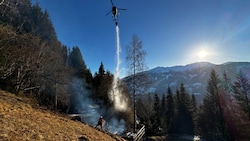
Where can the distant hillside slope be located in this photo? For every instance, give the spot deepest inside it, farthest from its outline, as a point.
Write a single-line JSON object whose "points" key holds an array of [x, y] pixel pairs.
{"points": [[19, 121], [194, 76]]}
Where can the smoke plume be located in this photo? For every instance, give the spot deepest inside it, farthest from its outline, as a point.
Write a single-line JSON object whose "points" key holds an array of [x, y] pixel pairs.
{"points": [[90, 111]]}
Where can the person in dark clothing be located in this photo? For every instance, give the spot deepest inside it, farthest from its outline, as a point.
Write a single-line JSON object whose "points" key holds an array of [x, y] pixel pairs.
{"points": [[100, 122]]}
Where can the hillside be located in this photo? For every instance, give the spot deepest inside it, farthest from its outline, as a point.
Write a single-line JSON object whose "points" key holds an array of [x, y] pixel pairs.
{"points": [[21, 121]]}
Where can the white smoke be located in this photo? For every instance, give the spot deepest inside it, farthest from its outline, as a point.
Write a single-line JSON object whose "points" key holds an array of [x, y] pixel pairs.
{"points": [[86, 107], [116, 126], [90, 111]]}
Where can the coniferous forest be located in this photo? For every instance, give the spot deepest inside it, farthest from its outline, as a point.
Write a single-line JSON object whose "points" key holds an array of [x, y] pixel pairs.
{"points": [[35, 64], [223, 113]]}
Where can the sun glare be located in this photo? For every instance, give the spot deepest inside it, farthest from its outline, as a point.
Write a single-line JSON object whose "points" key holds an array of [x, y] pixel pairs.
{"points": [[202, 54], [205, 53]]}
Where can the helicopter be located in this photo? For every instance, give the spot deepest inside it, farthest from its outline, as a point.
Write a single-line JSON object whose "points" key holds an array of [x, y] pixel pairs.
{"points": [[115, 12]]}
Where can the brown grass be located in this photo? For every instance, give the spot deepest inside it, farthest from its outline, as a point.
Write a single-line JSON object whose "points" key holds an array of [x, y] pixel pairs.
{"points": [[20, 121]]}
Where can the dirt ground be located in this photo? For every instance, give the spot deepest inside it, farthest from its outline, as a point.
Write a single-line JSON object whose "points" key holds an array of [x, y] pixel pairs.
{"points": [[20, 121]]}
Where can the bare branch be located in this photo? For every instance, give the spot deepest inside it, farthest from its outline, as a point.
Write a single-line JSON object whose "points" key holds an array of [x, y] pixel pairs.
{"points": [[3, 3]]}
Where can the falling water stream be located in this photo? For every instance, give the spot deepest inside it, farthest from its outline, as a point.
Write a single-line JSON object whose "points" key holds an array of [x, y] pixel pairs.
{"points": [[118, 61], [116, 96]]}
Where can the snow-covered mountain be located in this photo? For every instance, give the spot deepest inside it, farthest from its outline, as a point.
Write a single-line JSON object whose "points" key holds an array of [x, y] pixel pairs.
{"points": [[193, 76]]}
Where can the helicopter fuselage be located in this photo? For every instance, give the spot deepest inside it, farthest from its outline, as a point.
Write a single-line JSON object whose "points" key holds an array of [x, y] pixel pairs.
{"points": [[114, 11]]}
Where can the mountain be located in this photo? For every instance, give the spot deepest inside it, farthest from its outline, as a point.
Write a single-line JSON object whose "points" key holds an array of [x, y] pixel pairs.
{"points": [[194, 76]]}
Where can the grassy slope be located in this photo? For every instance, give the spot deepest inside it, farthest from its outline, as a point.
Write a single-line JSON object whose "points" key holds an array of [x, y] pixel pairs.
{"points": [[20, 121]]}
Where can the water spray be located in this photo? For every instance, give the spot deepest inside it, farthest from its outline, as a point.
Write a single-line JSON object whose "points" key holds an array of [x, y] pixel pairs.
{"points": [[116, 96]]}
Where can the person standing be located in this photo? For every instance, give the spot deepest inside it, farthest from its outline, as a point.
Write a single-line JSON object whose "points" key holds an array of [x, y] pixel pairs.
{"points": [[100, 122]]}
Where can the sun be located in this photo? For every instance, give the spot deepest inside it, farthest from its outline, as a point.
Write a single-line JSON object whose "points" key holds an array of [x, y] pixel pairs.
{"points": [[202, 54]]}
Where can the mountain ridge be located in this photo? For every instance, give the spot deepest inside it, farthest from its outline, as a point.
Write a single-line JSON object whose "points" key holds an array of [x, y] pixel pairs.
{"points": [[178, 67], [194, 76]]}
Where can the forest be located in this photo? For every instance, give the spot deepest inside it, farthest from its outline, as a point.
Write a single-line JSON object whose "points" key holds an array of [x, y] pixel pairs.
{"points": [[223, 113], [35, 64]]}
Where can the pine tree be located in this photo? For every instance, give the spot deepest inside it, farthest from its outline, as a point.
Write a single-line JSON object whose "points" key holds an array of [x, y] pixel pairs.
{"points": [[157, 113], [212, 122], [76, 61], [163, 112], [170, 111], [194, 112], [163, 104], [146, 112], [101, 71], [184, 117], [230, 110], [176, 111], [242, 92], [102, 82]]}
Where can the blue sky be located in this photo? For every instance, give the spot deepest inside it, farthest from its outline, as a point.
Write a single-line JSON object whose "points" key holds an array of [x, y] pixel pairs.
{"points": [[173, 32]]}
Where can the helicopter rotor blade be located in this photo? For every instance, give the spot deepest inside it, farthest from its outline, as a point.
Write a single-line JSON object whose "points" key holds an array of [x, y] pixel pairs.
{"points": [[121, 9], [108, 12], [112, 2]]}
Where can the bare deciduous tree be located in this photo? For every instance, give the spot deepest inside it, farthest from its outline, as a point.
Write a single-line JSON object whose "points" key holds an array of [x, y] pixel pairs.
{"points": [[136, 65]]}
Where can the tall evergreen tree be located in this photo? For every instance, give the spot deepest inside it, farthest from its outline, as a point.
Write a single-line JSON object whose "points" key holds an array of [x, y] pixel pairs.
{"points": [[176, 111], [194, 112], [27, 18], [183, 116], [41, 24], [157, 112], [231, 110], [242, 92], [212, 122], [163, 112], [76, 61], [101, 70], [146, 112], [170, 111], [102, 83], [163, 104]]}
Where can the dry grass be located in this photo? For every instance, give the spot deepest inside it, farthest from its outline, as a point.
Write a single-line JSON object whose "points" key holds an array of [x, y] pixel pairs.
{"points": [[20, 121]]}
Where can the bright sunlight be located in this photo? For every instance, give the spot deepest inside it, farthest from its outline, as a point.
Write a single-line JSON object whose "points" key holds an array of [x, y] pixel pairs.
{"points": [[202, 54]]}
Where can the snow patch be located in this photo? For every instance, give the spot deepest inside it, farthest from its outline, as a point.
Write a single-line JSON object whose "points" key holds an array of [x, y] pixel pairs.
{"points": [[192, 75], [196, 84], [151, 90]]}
